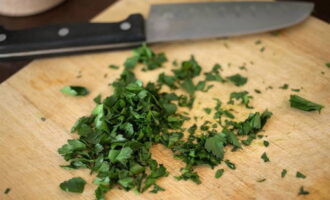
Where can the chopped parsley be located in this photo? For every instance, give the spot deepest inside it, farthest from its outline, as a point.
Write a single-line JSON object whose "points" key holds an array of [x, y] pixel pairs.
{"points": [[115, 140], [243, 68], [219, 173], [43, 119], [257, 42], [304, 104], [75, 90], [207, 110], [97, 99], [264, 157], [243, 96], [230, 164], [262, 49], [75, 185], [300, 175], [261, 180], [295, 90], [7, 190], [266, 143], [156, 189], [283, 173], [257, 91], [113, 66], [284, 86], [327, 64], [302, 191], [237, 79]]}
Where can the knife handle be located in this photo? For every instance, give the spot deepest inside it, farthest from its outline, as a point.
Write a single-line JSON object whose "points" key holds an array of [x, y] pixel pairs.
{"points": [[53, 40]]}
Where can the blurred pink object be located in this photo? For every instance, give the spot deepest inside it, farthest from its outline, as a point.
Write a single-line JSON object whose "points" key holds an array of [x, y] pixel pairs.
{"points": [[20, 8]]}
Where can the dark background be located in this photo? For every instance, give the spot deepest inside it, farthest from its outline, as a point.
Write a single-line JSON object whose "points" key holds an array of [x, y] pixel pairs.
{"points": [[84, 10]]}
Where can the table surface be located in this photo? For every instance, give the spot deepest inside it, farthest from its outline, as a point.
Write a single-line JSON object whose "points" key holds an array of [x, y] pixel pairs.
{"points": [[84, 10]]}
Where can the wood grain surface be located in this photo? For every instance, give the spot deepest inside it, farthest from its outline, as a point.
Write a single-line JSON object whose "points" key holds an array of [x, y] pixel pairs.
{"points": [[299, 141]]}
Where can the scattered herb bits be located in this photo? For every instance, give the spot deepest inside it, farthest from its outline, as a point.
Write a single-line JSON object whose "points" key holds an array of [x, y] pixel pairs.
{"points": [[237, 79], [207, 110], [284, 86], [113, 66], [266, 143], [257, 91], [115, 140], [261, 180], [300, 175], [219, 173], [75, 185], [302, 191], [264, 157], [283, 173], [295, 90], [157, 189], [230, 164], [75, 90], [327, 64], [7, 190], [304, 104]]}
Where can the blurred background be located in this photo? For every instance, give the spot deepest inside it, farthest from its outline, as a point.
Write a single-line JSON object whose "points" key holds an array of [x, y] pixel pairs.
{"points": [[20, 14]]}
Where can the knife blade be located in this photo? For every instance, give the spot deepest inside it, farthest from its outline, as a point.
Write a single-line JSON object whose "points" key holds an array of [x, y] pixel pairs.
{"points": [[166, 22]]}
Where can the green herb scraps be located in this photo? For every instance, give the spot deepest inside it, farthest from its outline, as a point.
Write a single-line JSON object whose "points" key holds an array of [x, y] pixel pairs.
{"points": [[264, 157], [75, 185], [7, 190], [327, 64], [115, 139], [302, 191], [304, 104], [283, 173], [237, 79], [219, 173], [75, 90], [284, 86], [300, 175]]}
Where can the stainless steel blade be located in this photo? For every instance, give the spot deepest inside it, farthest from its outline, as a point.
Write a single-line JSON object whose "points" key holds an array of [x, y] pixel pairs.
{"points": [[182, 21]]}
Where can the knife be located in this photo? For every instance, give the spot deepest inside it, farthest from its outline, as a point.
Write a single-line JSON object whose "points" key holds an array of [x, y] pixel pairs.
{"points": [[166, 22]]}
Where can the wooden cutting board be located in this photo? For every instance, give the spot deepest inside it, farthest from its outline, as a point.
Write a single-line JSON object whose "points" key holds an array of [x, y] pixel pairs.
{"points": [[299, 141]]}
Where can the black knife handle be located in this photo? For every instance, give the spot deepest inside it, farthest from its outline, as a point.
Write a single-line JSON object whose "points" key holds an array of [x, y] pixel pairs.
{"points": [[67, 39]]}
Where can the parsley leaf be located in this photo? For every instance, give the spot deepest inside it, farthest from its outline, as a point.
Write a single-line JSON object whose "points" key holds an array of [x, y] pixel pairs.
{"points": [[113, 66], [219, 173], [283, 173], [156, 189], [75, 185], [215, 145], [284, 86], [7, 190], [75, 91], [261, 180], [257, 91], [300, 175], [243, 96], [302, 191], [214, 74], [327, 64], [264, 157], [304, 104], [230, 164], [237, 79], [147, 57], [207, 110], [266, 143]]}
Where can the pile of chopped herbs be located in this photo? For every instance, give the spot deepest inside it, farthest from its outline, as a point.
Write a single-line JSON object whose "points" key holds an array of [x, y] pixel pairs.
{"points": [[115, 139]]}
